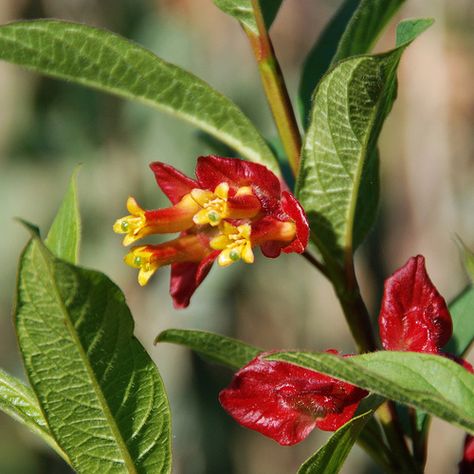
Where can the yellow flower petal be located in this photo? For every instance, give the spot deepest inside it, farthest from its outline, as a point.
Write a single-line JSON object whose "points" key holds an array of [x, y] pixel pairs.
{"points": [[220, 242], [133, 207], [144, 275], [222, 191], [247, 253], [201, 196]]}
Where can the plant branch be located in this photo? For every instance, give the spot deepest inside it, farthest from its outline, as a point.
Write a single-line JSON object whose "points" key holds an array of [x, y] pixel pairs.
{"points": [[275, 89], [419, 437], [356, 314], [395, 437], [316, 263]]}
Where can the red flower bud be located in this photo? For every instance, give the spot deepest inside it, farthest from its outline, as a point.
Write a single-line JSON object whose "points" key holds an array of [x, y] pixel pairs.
{"points": [[413, 316]]}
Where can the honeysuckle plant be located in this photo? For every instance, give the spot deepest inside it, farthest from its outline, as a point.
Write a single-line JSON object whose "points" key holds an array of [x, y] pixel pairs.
{"points": [[95, 395]]}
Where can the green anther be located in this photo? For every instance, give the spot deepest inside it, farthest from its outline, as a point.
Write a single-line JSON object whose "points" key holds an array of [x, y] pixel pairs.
{"points": [[124, 226], [234, 255], [213, 217], [137, 261]]}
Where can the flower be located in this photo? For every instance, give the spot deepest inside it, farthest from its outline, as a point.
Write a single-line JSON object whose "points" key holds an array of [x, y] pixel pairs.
{"points": [[232, 207], [286, 402], [413, 316]]}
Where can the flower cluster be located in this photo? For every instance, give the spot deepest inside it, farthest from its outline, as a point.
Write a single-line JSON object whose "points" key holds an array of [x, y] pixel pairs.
{"points": [[230, 208], [286, 402]]}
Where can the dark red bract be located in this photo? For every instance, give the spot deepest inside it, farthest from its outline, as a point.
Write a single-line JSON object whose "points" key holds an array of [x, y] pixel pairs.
{"points": [[286, 402], [413, 316]]}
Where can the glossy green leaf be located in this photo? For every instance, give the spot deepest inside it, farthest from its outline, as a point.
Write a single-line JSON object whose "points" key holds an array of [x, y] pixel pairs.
{"points": [[220, 349], [462, 314], [103, 60], [100, 392], [19, 401], [330, 458], [430, 383], [349, 108], [242, 11], [353, 30], [64, 236]]}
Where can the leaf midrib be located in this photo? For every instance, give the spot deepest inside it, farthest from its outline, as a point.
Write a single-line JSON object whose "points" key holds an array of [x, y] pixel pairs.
{"points": [[128, 461], [354, 194]]}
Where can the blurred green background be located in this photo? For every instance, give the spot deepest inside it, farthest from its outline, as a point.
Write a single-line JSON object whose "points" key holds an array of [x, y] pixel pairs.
{"points": [[47, 127]]}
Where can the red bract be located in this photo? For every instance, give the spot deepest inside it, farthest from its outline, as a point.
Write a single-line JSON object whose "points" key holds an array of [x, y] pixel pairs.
{"points": [[413, 316], [286, 402], [466, 466], [231, 207]]}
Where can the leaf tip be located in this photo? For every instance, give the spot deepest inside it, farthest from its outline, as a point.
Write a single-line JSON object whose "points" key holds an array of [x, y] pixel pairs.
{"points": [[408, 30], [31, 228]]}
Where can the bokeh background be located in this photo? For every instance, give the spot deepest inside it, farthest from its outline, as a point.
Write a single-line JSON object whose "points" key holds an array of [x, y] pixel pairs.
{"points": [[47, 127]]}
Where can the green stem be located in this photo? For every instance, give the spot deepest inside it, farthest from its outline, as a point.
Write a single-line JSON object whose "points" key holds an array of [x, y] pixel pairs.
{"points": [[372, 442], [355, 311], [275, 89], [396, 439], [316, 263], [419, 438]]}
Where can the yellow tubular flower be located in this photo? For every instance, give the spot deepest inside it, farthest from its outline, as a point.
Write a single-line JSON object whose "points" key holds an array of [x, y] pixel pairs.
{"points": [[234, 243], [141, 258], [141, 223], [131, 224], [149, 258], [213, 205]]}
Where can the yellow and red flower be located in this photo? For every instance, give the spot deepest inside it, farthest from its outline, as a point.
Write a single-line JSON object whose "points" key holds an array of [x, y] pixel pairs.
{"points": [[230, 208]]}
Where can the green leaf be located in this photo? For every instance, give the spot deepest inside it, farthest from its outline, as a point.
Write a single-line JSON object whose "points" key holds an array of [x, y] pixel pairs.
{"points": [[365, 26], [19, 401], [467, 257], [349, 108], [330, 458], [462, 314], [100, 392], [220, 349], [242, 11], [105, 61], [431, 383], [353, 30], [65, 233]]}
